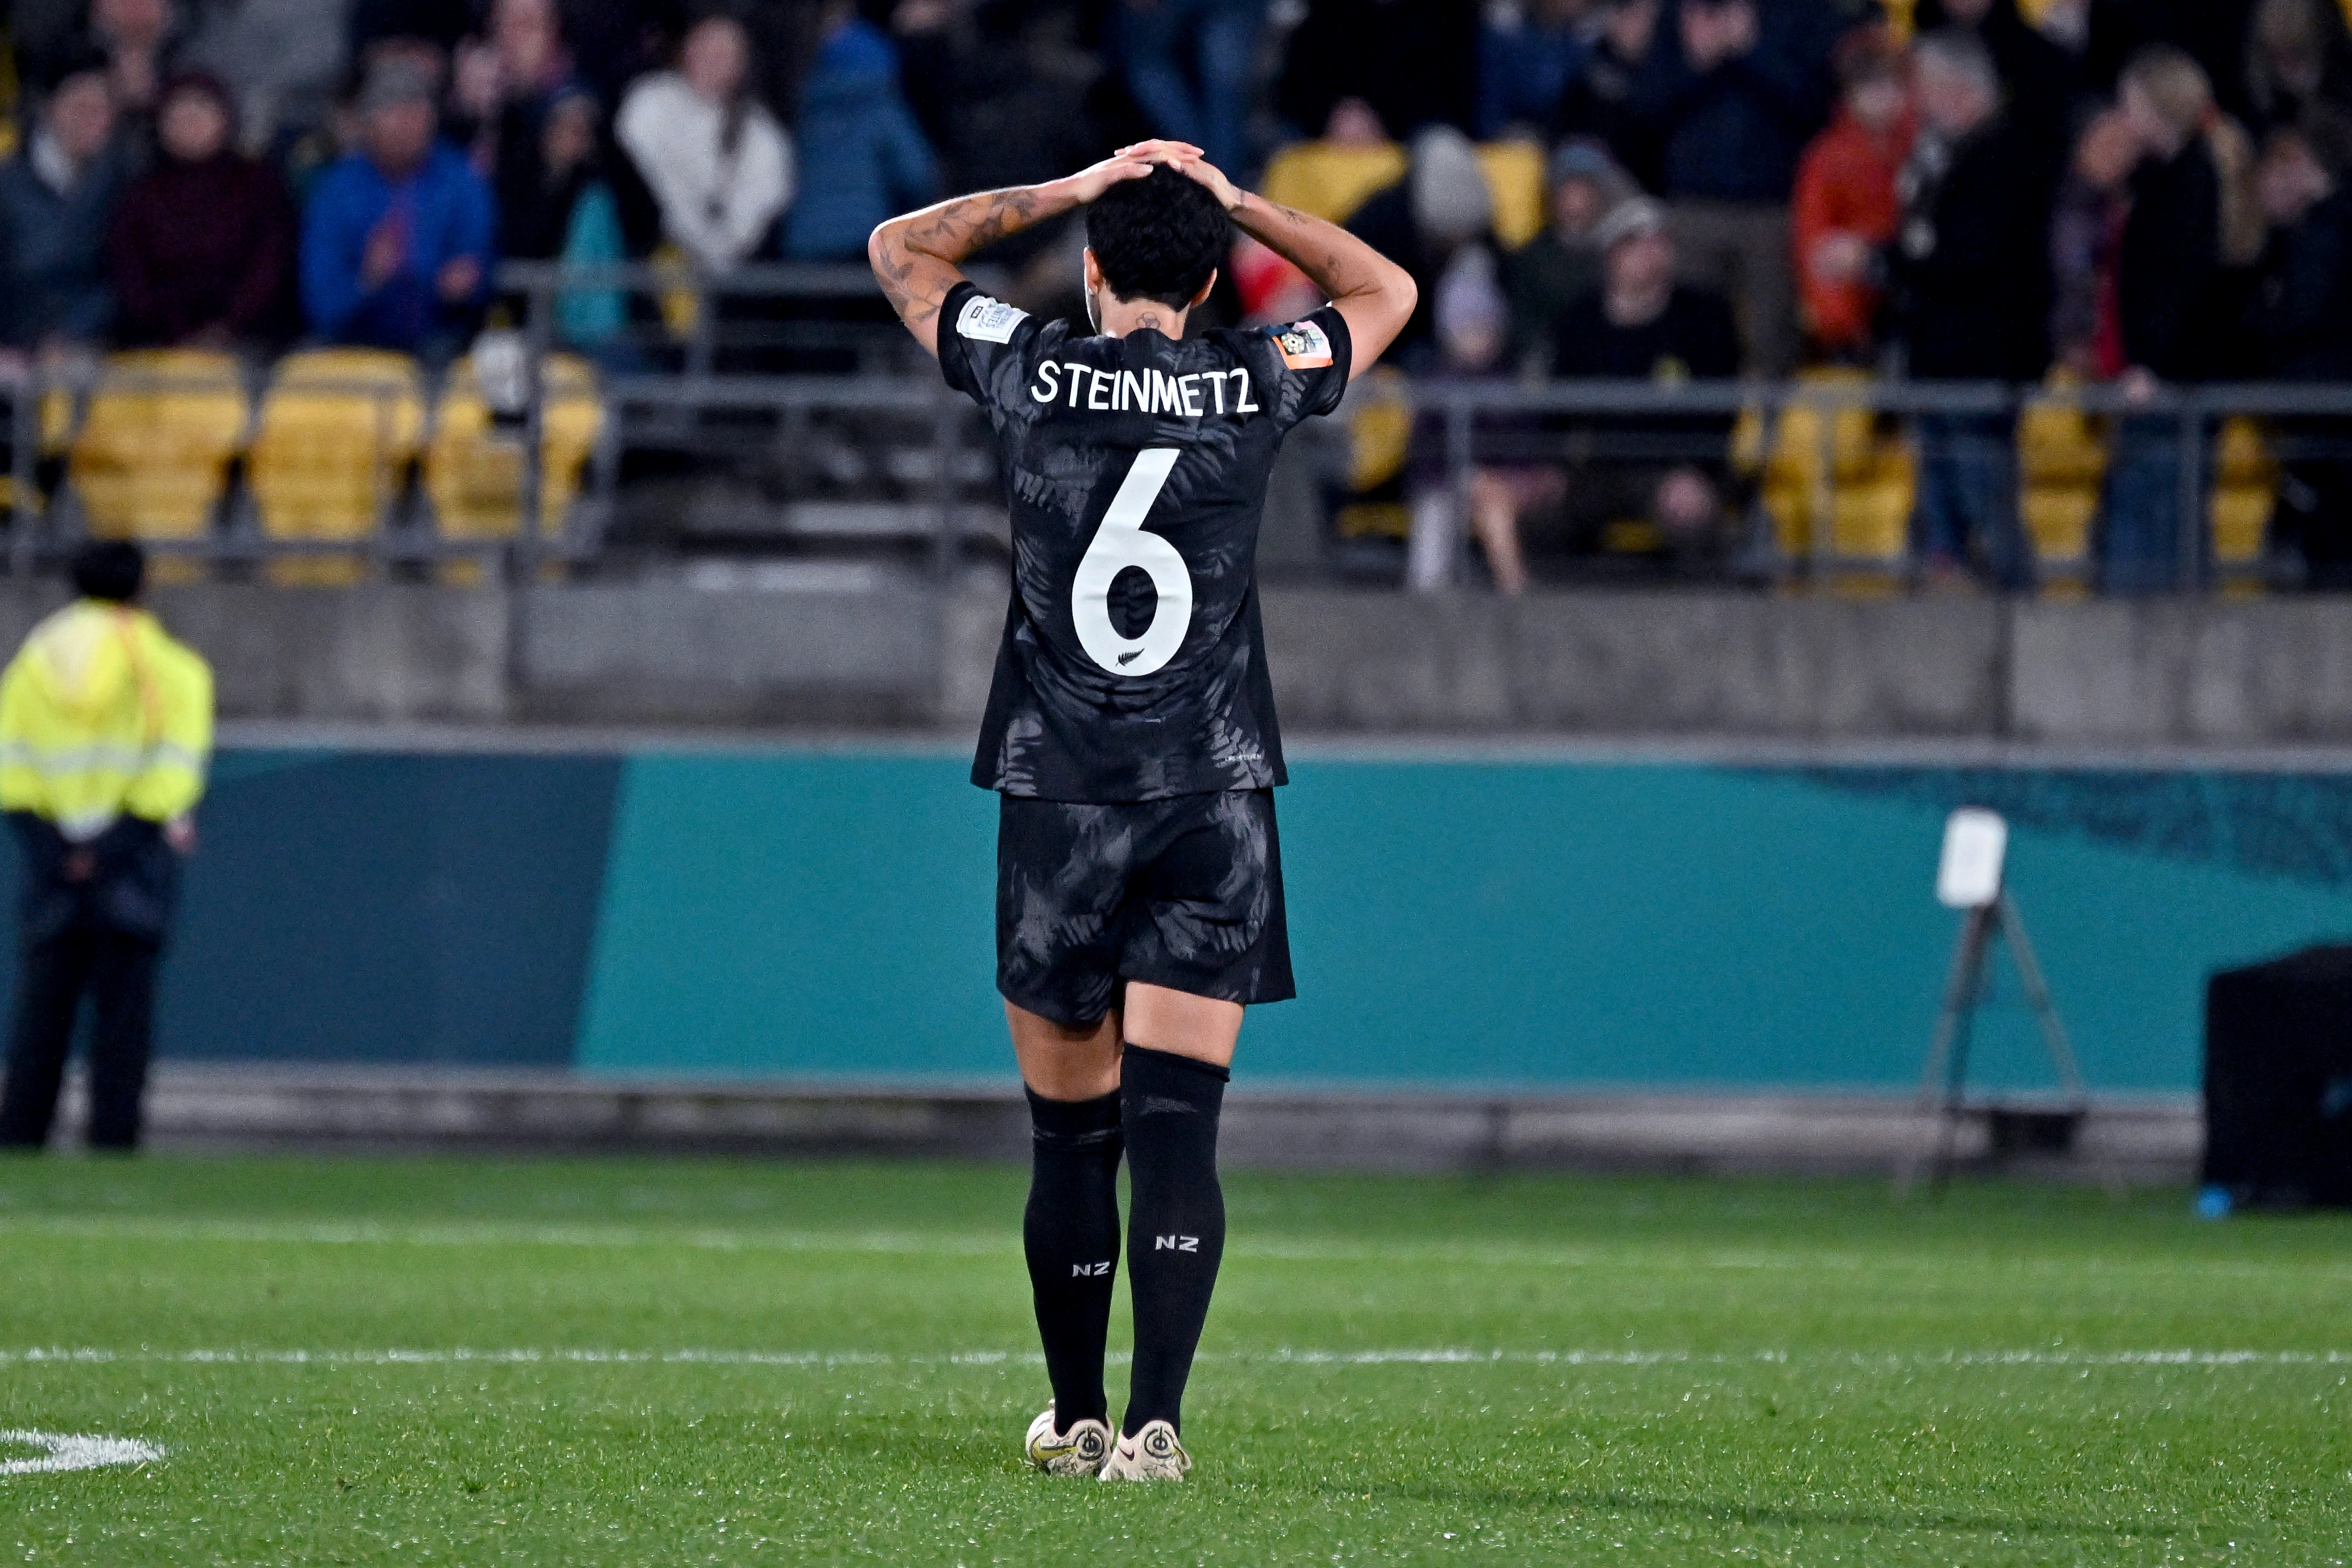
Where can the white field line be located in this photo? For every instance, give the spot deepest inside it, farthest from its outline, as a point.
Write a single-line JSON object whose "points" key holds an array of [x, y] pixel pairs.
{"points": [[66, 1452], [493, 1234], [1866, 1360]]}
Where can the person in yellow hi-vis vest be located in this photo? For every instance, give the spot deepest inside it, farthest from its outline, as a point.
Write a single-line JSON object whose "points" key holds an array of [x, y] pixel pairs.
{"points": [[106, 728]]}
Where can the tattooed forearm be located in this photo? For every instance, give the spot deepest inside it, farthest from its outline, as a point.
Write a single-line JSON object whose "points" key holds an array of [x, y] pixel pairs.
{"points": [[917, 258], [1339, 264]]}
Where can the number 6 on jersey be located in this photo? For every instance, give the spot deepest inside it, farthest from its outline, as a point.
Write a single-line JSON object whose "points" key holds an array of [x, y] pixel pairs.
{"points": [[1119, 544]]}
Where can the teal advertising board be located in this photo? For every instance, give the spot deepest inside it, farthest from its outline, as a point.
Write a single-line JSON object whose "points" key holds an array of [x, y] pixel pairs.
{"points": [[1539, 923]]}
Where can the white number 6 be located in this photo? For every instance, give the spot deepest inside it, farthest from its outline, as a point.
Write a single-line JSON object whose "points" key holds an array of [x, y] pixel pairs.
{"points": [[1119, 544]]}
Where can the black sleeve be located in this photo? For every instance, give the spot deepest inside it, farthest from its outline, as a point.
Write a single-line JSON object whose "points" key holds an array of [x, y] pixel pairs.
{"points": [[984, 345]]}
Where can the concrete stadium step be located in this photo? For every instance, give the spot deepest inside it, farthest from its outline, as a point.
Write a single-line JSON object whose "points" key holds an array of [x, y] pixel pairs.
{"points": [[2154, 1139]]}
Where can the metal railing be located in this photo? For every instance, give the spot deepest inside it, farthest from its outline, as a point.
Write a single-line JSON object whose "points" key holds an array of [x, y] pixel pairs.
{"points": [[2192, 417], [712, 405]]}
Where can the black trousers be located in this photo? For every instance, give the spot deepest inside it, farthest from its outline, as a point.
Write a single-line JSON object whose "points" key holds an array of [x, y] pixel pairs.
{"points": [[117, 972]]}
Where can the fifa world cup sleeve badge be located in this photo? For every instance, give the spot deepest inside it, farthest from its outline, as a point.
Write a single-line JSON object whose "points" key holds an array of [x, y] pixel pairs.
{"points": [[1303, 346]]}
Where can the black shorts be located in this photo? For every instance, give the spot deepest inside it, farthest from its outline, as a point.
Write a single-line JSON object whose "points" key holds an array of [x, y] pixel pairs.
{"points": [[1185, 893]]}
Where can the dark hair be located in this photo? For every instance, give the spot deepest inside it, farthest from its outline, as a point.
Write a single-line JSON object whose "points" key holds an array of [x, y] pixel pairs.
{"points": [[1158, 237], [76, 60], [110, 569]]}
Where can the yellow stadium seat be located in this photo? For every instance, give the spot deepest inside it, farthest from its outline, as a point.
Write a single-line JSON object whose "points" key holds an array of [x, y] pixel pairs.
{"points": [[1329, 179], [1830, 475], [338, 426], [2245, 494], [2061, 462], [1515, 178], [474, 470], [1380, 441], [150, 459]]}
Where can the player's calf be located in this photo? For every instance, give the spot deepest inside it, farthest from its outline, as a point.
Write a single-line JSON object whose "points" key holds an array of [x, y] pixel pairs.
{"points": [[1176, 1224]]}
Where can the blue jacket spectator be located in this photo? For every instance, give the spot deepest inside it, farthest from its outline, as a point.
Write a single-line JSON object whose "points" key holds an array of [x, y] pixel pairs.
{"points": [[1737, 88], [1529, 55], [862, 157], [57, 198], [399, 239]]}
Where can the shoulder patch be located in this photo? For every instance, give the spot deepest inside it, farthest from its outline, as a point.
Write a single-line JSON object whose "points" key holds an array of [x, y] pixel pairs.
{"points": [[1303, 346], [990, 320]]}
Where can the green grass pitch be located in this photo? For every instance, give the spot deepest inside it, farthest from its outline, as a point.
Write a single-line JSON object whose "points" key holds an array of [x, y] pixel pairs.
{"points": [[440, 1361]]}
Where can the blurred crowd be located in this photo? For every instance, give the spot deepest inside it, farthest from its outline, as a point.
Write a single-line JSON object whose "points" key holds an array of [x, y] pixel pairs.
{"points": [[2146, 193]]}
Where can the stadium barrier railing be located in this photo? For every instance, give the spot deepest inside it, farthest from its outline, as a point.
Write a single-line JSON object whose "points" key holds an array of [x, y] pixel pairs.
{"points": [[1824, 459]]}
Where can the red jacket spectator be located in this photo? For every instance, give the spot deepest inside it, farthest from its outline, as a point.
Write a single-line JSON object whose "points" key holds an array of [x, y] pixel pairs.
{"points": [[1845, 209]]}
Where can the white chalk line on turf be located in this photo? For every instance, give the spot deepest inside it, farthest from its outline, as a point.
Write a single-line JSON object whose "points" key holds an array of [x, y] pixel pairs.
{"points": [[466, 1357], [1500, 1254], [67, 1451]]}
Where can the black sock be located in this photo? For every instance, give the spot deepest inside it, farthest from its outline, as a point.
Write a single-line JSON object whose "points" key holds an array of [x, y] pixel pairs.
{"points": [[1176, 1221], [1071, 1233]]}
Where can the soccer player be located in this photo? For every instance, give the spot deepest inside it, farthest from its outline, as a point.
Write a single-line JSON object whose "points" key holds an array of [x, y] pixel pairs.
{"points": [[1130, 730]]}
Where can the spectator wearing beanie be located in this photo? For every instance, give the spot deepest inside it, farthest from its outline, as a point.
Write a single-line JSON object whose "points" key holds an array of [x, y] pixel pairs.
{"points": [[1420, 222], [1846, 207], [399, 236], [1562, 263], [1668, 472], [201, 248]]}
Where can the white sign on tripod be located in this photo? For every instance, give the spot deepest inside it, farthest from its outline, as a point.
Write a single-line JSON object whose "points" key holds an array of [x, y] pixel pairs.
{"points": [[1969, 879], [1975, 842]]}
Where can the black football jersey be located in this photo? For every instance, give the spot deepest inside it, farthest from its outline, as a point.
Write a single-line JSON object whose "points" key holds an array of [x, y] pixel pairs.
{"points": [[1133, 667]]}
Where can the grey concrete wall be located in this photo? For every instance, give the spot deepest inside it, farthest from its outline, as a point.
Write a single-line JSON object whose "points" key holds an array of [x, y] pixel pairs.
{"points": [[666, 652], [2149, 673], [1636, 663]]}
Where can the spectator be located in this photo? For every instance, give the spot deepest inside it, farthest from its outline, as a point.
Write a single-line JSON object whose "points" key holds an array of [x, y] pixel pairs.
{"points": [[398, 238], [2298, 57], [202, 247], [1668, 473], [1736, 89], [281, 61], [1002, 99], [863, 159], [1846, 208], [2189, 199], [1562, 264], [1605, 103], [2301, 322], [141, 39], [57, 197], [2086, 233], [1971, 263], [106, 728], [2211, 33], [1191, 66], [500, 91], [1440, 204], [1473, 324], [1532, 54], [1415, 61], [2040, 80], [717, 162], [571, 214]]}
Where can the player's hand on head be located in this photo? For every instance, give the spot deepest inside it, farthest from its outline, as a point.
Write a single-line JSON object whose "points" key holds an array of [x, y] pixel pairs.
{"points": [[1191, 162], [1091, 182]]}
